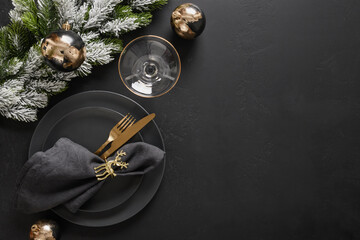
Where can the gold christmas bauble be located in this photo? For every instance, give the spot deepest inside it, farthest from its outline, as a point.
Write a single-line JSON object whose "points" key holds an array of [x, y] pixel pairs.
{"points": [[63, 50], [188, 21], [44, 230]]}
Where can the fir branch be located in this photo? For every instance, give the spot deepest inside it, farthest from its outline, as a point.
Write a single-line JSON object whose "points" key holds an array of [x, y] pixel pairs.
{"points": [[122, 11], [14, 15], [32, 63], [125, 24], [53, 75], [33, 99], [9, 93], [143, 19], [20, 39], [118, 43], [14, 85], [20, 113], [81, 17], [23, 5], [30, 21], [99, 53], [47, 86], [119, 26], [84, 69], [70, 11], [47, 17], [14, 66], [147, 5], [89, 36], [4, 43], [67, 9], [10, 68], [99, 12], [26, 81], [20, 7], [87, 13]]}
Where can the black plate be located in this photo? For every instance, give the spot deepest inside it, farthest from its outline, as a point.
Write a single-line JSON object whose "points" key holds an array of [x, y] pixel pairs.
{"points": [[90, 127], [151, 134]]}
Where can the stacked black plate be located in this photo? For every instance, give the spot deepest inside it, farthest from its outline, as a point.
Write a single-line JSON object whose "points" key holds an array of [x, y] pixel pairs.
{"points": [[87, 119]]}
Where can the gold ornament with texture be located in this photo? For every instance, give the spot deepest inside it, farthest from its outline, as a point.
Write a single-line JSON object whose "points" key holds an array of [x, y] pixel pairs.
{"points": [[44, 230], [63, 50], [188, 21]]}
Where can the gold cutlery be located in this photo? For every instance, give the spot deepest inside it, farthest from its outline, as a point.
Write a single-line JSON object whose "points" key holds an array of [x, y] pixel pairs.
{"points": [[118, 129], [127, 134]]}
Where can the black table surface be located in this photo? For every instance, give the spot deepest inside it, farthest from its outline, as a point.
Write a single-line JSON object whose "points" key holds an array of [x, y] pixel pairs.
{"points": [[262, 130]]}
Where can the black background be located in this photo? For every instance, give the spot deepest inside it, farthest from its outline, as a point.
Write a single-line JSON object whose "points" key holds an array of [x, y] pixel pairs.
{"points": [[262, 129]]}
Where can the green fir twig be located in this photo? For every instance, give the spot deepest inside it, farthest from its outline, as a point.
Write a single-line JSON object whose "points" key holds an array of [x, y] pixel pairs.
{"points": [[26, 81]]}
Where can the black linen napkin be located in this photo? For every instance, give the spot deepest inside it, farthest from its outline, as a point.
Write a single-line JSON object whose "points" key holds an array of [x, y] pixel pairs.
{"points": [[65, 174]]}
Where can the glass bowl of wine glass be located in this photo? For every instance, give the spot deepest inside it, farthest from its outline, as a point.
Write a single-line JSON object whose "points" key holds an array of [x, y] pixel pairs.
{"points": [[149, 66]]}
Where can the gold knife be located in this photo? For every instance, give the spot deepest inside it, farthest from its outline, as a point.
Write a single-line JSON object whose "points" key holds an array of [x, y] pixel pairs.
{"points": [[127, 134]]}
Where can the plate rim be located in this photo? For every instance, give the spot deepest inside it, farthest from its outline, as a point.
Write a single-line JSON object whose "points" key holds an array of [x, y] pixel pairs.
{"points": [[87, 92], [161, 143]]}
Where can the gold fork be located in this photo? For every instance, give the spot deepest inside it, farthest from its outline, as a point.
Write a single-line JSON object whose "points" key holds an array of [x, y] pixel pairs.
{"points": [[120, 127]]}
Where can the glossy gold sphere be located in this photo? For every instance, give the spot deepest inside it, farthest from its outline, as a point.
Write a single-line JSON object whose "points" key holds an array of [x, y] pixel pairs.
{"points": [[44, 230], [188, 21], [63, 50]]}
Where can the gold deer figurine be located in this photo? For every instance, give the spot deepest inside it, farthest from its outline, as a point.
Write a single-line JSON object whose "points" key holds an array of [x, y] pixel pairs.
{"points": [[106, 169]]}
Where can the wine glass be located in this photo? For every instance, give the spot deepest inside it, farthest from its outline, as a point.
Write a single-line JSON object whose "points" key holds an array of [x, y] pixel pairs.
{"points": [[149, 66]]}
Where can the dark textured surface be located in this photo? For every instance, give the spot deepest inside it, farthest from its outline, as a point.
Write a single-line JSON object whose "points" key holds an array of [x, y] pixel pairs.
{"points": [[261, 131]]}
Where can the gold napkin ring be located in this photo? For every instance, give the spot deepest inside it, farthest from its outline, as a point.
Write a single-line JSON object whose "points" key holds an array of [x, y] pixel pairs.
{"points": [[107, 169]]}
